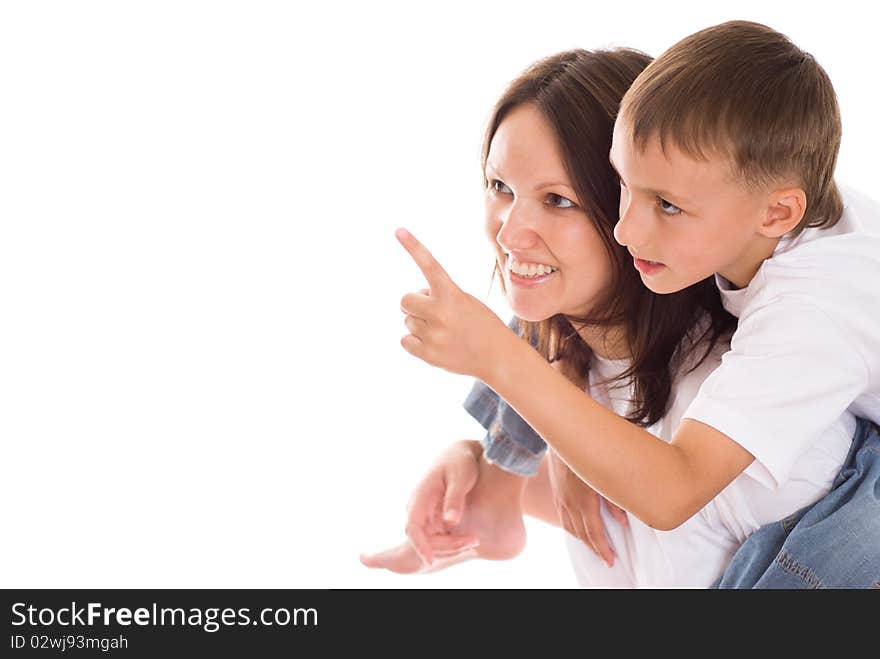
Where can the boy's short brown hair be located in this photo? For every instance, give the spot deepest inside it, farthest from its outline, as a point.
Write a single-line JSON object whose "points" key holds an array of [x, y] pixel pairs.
{"points": [[745, 91]]}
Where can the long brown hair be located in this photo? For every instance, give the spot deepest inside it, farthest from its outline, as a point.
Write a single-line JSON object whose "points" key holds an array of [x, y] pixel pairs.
{"points": [[579, 94]]}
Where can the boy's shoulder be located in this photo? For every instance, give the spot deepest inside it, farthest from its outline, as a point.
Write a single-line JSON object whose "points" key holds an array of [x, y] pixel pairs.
{"points": [[861, 215]]}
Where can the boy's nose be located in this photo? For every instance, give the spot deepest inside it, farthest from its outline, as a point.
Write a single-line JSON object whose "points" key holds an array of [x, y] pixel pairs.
{"points": [[631, 230]]}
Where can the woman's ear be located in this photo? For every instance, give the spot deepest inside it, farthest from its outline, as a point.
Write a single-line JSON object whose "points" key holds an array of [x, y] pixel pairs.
{"points": [[785, 210]]}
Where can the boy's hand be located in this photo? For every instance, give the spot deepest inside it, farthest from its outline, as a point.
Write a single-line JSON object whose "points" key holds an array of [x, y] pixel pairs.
{"points": [[578, 505], [448, 328]]}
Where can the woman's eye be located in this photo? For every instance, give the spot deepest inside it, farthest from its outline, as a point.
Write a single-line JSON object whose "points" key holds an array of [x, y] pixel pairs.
{"points": [[499, 186], [559, 201], [667, 208]]}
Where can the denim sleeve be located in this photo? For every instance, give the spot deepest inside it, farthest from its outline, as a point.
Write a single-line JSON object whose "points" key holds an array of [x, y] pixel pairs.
{"points": [[510, 442]]}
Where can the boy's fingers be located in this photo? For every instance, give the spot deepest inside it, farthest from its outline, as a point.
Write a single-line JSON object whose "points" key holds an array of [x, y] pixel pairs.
{"points": [[581, 531], [413, 345], [417, 304], [437, 277], [617, 513], [594, 527], [416, 326], [568, 524]]}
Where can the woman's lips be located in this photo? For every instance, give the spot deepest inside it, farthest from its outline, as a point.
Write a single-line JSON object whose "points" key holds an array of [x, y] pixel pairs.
{"points": [[647, 267], [528, 282]]}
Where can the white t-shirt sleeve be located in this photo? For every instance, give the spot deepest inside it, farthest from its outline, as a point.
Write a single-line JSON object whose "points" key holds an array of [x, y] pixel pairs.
{"points": [[791, 371]]}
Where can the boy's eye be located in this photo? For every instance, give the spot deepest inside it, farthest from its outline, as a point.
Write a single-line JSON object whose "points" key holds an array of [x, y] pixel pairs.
{"points": [[499, 186], [667, 208], [559, 201]]}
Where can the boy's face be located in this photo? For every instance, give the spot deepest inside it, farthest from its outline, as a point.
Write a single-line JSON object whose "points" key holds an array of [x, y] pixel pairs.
{"points": [[684, 219]]}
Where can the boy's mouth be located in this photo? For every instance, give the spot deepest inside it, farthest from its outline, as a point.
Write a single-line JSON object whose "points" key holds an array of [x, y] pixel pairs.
{"points": [[647, 267]]}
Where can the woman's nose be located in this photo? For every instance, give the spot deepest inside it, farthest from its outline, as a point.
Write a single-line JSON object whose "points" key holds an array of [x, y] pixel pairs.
{"points": [[518, 228]]}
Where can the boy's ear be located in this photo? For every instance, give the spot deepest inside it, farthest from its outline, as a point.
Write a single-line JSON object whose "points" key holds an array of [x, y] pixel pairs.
{"points": [[785, 210]]}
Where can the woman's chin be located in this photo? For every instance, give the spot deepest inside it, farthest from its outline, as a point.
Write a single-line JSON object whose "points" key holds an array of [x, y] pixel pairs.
{"points": [[528, 313]]}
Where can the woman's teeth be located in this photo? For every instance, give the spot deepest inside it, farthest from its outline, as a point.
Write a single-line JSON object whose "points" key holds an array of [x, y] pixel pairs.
{"points": [[529, 270]]}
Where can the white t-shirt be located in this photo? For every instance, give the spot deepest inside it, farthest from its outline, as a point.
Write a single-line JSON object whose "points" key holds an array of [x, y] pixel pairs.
{"points": [[807, 347], [695, 554]]}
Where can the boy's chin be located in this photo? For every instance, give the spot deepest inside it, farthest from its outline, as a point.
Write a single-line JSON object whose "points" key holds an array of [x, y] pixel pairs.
{"points": [[663, 286]]}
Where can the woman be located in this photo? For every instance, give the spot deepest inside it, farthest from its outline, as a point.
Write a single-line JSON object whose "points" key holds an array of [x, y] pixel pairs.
{"points": [[551, 206]]}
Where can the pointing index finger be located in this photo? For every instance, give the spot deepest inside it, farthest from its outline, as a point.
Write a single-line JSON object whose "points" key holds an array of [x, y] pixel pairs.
{"points": [[437, 277]]}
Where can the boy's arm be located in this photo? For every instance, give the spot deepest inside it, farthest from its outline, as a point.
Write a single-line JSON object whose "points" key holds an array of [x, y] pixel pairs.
{"points": [[663, 484]]}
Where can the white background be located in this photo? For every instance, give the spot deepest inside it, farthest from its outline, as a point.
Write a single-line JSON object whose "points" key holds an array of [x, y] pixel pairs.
{"points": [[201, 383]]}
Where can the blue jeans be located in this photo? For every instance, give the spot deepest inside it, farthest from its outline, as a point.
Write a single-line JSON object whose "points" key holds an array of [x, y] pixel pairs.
{"points": [[833, 543]]}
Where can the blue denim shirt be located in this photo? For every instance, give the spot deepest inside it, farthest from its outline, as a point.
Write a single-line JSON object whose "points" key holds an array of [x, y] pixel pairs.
{"points": [[510, 442]]}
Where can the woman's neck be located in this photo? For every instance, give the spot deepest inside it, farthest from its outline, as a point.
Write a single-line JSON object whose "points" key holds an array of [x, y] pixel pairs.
{"points": [[606, 342]]}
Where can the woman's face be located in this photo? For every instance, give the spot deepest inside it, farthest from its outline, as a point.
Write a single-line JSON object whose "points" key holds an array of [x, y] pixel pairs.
{"points": [[552, 257]]}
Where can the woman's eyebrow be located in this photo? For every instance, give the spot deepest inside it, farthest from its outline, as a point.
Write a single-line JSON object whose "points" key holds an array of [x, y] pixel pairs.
{"points": [[553, 184], [540, 186]]}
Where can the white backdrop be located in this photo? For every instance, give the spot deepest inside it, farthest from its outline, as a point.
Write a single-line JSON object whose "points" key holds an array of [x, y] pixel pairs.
{"points": [[201, 383]]}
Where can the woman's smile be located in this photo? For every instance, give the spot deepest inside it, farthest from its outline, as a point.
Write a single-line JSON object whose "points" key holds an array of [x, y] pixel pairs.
{"points": [[528, 275]]}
